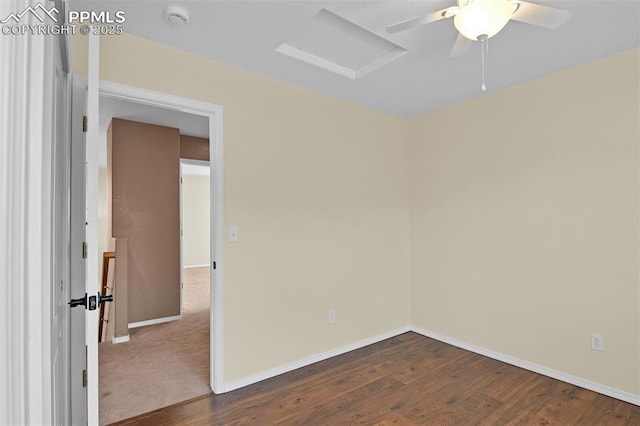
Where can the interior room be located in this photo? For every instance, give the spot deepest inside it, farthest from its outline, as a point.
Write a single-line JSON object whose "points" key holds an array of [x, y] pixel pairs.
{"points": [[420, 213], [494, 223]]}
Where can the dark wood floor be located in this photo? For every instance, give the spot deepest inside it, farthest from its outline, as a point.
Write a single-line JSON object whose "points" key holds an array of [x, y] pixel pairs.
{"points": [[406, 380]]}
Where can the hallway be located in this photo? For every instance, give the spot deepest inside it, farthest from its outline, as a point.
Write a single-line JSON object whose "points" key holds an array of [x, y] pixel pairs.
{"points": [[162, 364]]}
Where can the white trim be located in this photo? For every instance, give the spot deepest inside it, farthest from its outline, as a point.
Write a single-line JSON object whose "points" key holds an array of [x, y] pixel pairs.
{"points": [[121, 339], [216, 252], [276, 371], [192, 162], [25, 226], [536, 368], [196, 266], [63, 6], [215, 115], [154, 321], [181, 207], [189, 169], [157, 99], [38, 233]]}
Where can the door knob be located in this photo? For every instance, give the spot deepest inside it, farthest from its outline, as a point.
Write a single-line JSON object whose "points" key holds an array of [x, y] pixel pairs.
{"points": [[90, 303], [102, 299], [79, 302]]}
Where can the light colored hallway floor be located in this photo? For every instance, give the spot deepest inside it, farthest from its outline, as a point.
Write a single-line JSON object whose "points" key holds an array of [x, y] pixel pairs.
{"points": [[162, 364]]}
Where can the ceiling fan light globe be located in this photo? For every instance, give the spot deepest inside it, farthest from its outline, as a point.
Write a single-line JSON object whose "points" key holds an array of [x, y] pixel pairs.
{"points": [[483, 17]]}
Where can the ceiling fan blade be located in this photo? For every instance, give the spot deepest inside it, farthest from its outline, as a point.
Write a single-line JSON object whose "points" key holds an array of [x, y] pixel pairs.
{"points": [[542, 16], [416, 22], [461, 46]]}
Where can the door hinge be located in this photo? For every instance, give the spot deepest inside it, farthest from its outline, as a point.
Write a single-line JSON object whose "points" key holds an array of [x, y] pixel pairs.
{"points": [[214, 264], [84, 250], [180, 179], [84, 378], [85, 123]]}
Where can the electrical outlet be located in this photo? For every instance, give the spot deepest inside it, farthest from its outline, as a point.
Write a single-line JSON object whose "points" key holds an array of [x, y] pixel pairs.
{"points": [[597, 342], [332, 317]]}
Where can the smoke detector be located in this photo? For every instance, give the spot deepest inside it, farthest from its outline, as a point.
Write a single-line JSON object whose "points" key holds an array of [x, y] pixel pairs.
{"points": [[176, 16]]}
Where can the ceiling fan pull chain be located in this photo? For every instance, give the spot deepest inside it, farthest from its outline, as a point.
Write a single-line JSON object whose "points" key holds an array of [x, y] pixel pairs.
{"points": [[483, 44]]}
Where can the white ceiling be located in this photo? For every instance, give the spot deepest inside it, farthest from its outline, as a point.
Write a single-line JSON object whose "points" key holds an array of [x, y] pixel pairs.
{"points": [[246, 34]]}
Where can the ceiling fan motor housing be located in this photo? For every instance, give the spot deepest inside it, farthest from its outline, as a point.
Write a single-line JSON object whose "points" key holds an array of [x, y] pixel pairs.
{"points": [[482, 17]]}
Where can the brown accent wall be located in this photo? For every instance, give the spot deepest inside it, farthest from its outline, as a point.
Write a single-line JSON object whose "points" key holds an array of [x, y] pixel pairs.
{"points": [[194, 148], [110, 242], [146, 212]]}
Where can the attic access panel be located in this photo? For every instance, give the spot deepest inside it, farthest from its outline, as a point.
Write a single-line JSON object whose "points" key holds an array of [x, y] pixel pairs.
{"points": [[339, 46]]}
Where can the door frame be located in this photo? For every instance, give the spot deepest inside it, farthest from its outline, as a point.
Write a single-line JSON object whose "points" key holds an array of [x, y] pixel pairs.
{"points": [[214, 114]]}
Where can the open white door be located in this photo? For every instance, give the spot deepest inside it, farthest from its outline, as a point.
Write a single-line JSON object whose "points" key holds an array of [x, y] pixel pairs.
{"points": [[78, 362], [92, 284], [84, 245]]}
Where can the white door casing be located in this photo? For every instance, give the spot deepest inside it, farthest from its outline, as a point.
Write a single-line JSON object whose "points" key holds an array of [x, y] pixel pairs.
{"points": [[60, 289], [214, 113]]}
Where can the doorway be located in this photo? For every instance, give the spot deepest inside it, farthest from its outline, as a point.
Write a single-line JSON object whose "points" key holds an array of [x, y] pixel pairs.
{"points": [[213, 115], [195, 219]]}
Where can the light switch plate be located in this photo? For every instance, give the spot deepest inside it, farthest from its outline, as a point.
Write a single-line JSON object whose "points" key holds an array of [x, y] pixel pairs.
{"points": [[234, 234]]}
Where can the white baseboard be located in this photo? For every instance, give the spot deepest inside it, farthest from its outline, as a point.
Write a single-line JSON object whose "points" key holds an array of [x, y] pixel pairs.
{"points": [[154, 321], [276, 371], [196, 266], [578, 381], [120, 339]]}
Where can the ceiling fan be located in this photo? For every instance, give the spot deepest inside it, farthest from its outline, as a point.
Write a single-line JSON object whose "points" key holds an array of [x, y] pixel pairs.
{"points": [[482, 19]]}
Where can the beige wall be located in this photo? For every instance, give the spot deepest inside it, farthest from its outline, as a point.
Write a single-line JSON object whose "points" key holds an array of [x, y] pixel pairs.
{"points": [[195, 220], [318, 189], [524, 221], [524, 214]]}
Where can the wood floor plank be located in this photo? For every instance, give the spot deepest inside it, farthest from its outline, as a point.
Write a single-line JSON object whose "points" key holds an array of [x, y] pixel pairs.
{"points": [[345, 408], [405, 380], [332, 382], [437, 356]]}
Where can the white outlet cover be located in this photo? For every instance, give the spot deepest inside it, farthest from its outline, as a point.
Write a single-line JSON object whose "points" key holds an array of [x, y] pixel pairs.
{"points": [[597, 342]]}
